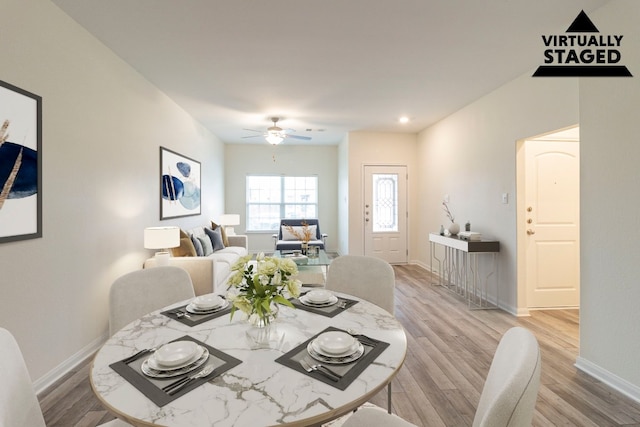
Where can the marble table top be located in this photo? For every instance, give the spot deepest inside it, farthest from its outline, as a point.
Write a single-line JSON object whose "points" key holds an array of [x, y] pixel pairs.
{"points": [[258, 391]]}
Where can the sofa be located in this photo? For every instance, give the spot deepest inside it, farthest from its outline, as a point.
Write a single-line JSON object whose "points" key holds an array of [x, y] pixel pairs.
{"points": [[209, 271]]}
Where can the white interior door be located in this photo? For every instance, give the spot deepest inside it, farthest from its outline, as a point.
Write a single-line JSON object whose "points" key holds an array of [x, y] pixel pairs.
{"points": [[553, 231], [385, 213]]}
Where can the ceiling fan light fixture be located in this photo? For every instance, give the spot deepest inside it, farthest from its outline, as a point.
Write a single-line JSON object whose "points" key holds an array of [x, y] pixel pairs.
{"points": [[274, 138]]}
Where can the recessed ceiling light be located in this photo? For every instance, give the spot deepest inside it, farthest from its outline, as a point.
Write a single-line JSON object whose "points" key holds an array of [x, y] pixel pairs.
{"points": [[404, 119]]}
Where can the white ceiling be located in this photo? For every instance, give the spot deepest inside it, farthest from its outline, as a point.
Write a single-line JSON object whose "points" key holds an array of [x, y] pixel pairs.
{"points": [[326, 67]]}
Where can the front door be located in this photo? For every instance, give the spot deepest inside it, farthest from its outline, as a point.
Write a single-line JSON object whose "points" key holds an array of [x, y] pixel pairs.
{"points": [[385, 213], [553, 230]]}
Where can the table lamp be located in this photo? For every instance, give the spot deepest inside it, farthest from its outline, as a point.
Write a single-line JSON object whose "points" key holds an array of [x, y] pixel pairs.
{"points": [[228, 220], [162, 238]]}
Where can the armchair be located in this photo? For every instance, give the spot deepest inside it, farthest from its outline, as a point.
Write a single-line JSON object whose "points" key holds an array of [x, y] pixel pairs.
{"points": [[285, 241]]}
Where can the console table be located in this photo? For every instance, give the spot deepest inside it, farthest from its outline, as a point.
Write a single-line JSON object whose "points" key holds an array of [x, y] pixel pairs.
{"points": [[459, 269]]}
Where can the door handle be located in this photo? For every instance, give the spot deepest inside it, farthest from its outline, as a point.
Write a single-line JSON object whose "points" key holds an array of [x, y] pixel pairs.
{"points": [[530, 232]]}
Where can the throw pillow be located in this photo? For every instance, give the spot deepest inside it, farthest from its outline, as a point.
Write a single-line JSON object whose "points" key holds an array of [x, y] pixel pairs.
{"points": [[207, 247], [186, 247], [287, 235], [197, 245], [225, 239], [216, 238]]}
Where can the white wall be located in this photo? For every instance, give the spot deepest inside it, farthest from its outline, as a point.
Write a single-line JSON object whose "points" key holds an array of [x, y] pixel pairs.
{"points": [[343, 196], [374, 148], [610, 179], [102, 128], [292, 160], [471, 156]]}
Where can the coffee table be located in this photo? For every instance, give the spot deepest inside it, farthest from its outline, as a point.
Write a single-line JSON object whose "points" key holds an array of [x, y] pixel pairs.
{"points": [[312, 273]]}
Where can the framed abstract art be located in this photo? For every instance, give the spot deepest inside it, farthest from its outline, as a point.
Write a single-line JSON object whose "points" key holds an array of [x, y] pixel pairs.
{"points": [[180, 181], [20, 164]]}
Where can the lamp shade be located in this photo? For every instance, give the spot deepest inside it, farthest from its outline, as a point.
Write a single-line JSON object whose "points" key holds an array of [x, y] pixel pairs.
{"points": [[161, 237], [229, 219]]}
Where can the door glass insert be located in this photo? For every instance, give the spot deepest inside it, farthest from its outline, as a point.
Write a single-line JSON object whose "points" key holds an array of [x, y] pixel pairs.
{"points": [[385, 203]]}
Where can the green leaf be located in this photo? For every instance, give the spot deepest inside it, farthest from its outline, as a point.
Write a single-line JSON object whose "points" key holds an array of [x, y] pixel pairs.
{"points": [[258, 286], [282, 300]]}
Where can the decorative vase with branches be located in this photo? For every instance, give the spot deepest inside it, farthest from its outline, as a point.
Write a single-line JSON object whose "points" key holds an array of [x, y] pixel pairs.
{"points": [[453, 228]]}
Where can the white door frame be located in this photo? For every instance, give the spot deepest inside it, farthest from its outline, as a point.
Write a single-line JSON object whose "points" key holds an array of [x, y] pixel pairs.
{"points": [[522, 307], [406, 201]]}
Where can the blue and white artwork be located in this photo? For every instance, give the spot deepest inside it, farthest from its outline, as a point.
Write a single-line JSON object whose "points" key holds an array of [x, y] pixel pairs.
{"points": [[179, 185], [20, 164]]}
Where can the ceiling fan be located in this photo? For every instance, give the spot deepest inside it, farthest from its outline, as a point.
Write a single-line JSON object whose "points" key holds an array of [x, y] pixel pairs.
{"points": [[275, 134]]}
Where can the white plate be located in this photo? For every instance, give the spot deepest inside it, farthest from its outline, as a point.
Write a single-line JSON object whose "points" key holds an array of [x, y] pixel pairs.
{"points": [[153, 363], [318, 296], [208, 302], [195, 310], [335, 343], [303, 299], [348, 352], [177, 353], [149, 370], [340, 360]]}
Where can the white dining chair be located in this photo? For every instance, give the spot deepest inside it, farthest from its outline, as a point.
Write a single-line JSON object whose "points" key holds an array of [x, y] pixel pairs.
{"points": [[509, 394], [365, 277], [19, 406], [143, 291]]}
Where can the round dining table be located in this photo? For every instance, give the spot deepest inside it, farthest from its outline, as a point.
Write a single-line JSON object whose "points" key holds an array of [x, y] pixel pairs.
{"points": [[257, 389]]}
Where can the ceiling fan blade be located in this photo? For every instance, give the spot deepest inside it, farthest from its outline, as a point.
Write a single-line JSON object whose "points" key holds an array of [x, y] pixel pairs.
{"points": [[304, 138], [251, 136], [253, 130]]}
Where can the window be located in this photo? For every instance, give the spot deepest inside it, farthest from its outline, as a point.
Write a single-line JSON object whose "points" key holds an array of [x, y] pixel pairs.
{"points": [[385, 202], [271, 198]]}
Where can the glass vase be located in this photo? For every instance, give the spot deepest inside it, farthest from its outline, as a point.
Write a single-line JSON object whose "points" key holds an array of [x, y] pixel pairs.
{"points": [[263, 332], [264, 321]]}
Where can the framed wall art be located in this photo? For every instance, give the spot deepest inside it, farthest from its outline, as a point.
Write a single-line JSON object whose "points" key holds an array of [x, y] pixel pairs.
{"points": [[180, 181], [20, 164]]}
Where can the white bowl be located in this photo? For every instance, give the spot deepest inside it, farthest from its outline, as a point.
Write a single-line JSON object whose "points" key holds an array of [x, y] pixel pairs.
{"points": [[335, 342], [209, 301], [318, 296], [175, 353]]}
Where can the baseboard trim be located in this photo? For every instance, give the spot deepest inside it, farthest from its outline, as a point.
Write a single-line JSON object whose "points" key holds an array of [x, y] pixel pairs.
{"points": [[623, 386], [46, 381]]}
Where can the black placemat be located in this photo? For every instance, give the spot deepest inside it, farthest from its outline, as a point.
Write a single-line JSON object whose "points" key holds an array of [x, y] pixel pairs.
{"points": [[330, 311], [349, 372], [193, 319], [152, 387]]}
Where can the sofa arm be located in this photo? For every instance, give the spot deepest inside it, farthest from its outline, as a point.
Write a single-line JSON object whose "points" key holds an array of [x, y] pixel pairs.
{"points": [[200, 270], [238, 240]]}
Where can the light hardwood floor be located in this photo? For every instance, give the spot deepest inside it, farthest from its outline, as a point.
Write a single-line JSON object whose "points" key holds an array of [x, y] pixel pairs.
{"points": [[450, 350]]}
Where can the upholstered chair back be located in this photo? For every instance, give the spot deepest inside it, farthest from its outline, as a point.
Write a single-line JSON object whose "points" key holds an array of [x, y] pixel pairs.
{"points": [[18, 403], [509, 394], [143, 291], [366, 277]]}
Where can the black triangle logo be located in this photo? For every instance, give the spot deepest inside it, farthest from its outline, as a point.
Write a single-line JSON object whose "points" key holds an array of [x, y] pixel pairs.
{"points": [[582, 24]]}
